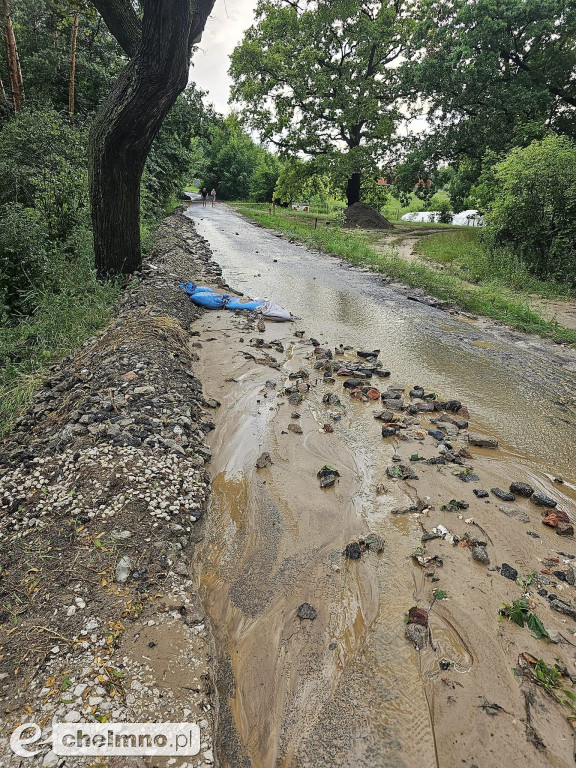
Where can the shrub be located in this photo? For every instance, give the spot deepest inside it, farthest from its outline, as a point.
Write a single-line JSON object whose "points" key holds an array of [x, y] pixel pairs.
{"points": [[534, 208]]}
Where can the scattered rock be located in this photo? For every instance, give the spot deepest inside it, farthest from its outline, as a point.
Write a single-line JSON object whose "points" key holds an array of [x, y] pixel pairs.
{"points": [[418, 635], [418, 616], [123, 568], [480, 493], [306, 611], [265, 460], [503, 495], [542, 500], [480, 555], [508, 572], [561, 607], [521, 489], [482, 441], [353, 551], [296, 428]]}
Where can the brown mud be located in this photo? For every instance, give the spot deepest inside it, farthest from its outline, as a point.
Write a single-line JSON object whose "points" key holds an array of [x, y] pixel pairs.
{"points": [[348, 689]]}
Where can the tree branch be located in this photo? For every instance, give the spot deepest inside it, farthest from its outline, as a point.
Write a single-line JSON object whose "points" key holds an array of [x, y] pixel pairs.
{"points": [[123, 23]]}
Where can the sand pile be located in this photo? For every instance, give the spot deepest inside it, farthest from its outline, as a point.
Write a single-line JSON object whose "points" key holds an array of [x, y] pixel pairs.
{"points": [[364, 217]]}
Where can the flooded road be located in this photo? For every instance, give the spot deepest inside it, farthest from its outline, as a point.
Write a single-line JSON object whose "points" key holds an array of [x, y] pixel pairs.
{"points": [[347, 689], [517, 391]]}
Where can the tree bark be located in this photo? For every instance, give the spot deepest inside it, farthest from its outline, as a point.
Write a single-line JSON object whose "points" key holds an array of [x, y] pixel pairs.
{"points": [[12, 60], [353, 188], [73, 41], [128, 121]]}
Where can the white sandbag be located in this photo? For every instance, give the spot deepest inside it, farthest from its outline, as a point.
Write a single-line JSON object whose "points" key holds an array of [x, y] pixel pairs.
{"points": [[273, 311]]}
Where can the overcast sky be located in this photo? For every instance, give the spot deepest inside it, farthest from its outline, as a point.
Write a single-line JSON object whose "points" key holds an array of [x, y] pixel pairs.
{"points": [[224, 30]]}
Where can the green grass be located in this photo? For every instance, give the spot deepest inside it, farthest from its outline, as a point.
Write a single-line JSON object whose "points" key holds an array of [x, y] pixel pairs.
{"points": [[490, 296], [461, 251], [68, 311]]}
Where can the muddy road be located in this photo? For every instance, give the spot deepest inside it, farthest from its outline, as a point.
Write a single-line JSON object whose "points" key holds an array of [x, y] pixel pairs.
{"points": [[347, 689]]}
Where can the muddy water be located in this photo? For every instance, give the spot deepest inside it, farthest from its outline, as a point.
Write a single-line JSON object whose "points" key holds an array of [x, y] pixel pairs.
{"points": [[516, 389], [345, 689]]}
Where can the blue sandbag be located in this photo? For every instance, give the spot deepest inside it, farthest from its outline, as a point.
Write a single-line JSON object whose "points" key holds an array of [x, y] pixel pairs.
{"points": [[206, 297], [192, 288], [235, 304], [209, 300]]}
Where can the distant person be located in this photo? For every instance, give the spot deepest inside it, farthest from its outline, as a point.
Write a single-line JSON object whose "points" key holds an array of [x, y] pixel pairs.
{"points": [[213, 196], [204, 193]]}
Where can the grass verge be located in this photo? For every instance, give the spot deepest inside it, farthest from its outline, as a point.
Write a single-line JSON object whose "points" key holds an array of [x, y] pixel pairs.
{"points": [[67, 312], [491, 296]]}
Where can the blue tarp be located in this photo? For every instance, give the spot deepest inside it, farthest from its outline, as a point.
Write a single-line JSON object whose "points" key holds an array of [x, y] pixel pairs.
{"points": [[206, 297]]}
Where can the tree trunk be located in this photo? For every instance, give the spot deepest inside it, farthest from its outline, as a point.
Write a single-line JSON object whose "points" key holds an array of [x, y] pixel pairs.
{"points": [[128, 121], [73, 41], [12, 60], [353, 188]]}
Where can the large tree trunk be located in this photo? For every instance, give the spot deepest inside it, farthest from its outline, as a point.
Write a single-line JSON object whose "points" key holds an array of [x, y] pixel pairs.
{"points": [[12, 60], [128, 121], [71, 90], [353, 188]]}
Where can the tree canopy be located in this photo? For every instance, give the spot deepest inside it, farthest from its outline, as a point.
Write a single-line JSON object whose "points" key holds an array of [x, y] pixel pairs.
{"points": [[491, 75], [319, 79]]}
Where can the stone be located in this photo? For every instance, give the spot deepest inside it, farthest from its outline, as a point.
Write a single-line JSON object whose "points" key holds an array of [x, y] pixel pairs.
{"points": [[353, 551], [327, 481], [306, 611], [565, 529], [72, 717], [482, 441], [480, 493], [561, 607], [418, 635], [148, 390], [418, 616], [296, 428], [542, 500], [503, 495], [122, 570], [436, 434], [480, 554], [510, 511], [508, 572], [264, 460], [521, 489]]}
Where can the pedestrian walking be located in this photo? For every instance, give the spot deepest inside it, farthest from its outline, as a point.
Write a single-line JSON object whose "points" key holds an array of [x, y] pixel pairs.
{"points": [[204, 193], [213, 196]]}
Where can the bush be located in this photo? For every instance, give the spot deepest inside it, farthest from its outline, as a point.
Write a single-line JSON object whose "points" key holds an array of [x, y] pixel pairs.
{"points": [[445, 214], [534, 208], [23, 259]]}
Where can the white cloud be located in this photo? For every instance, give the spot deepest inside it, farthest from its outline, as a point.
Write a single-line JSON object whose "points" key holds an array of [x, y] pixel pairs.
{"points": [[224, 30]]}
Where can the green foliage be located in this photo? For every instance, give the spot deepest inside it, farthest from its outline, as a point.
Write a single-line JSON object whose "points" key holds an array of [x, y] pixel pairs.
{"points": [[265, 178], [43, 29], [534, 208], [372, 193], [445, 212], [316, 79], [237, 167], [43, 165], [493, 73], [520, 613], [23, 259]]}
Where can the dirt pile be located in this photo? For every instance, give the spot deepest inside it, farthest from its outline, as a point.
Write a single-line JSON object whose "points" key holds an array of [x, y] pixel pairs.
{"points": [[103, 493], [362, 216]]}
